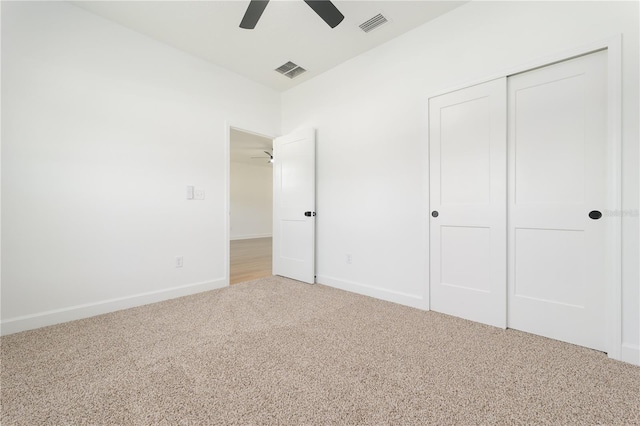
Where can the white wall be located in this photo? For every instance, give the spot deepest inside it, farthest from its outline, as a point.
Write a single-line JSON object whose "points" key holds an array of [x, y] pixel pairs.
{"points": [[371, 117], [103, 129], [251, 200]]}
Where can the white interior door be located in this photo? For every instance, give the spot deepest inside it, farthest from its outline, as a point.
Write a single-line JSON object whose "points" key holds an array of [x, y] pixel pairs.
{"points": [[557, 153], [468, 201], [294, 205]]}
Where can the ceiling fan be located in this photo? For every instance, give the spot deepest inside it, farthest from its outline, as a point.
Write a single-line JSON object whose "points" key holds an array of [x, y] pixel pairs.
{"points": [[324, 8], [269, 154]]}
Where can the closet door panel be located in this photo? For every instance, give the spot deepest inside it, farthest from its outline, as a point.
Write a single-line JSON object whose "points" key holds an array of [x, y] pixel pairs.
{"points": [[468, 202], [557, 152]]}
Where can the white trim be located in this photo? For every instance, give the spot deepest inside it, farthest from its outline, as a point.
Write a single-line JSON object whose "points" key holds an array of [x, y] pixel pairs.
{"points": [[613, 45], [630, 353], [72, 313], [406, 299], [426, 243], [613, 298], [227, 201], [0, 168]]}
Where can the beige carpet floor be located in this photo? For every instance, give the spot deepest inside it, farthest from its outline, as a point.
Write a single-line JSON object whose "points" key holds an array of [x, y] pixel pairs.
{"points": [[275, 351]]}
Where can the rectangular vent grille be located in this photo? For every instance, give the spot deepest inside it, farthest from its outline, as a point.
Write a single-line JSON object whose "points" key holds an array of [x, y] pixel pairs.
{"points": [[290, 70], [373, 23]]}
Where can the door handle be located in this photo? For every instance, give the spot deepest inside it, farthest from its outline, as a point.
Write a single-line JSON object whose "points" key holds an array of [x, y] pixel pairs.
{"points": [[595, 214], [309, 214], [435, 213]]}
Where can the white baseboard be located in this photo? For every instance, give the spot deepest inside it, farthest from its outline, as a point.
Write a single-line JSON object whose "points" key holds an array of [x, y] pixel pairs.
{"points": [[250, 237], [630, 353], [372, 291], [57, 316]]}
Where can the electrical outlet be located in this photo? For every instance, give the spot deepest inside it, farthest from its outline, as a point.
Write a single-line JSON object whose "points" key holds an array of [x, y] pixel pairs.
{"points": [[179, 261], [349, 258], [199, 194]]}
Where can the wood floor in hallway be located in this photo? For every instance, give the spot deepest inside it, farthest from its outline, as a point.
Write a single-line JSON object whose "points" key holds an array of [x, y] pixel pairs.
{"points": [[250, 259]]}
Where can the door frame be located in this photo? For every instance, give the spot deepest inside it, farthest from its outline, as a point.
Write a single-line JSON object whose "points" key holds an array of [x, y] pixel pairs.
{"points": [[228, 125], [613, 261]]}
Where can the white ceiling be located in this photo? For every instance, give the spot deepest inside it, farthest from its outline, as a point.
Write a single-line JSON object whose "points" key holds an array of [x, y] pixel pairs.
{"points": [[289, 30], [245, 146]]}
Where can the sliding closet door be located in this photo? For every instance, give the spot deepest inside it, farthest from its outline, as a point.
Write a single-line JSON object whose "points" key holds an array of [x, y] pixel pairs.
{"points": [[557, 152], [468, 202]]}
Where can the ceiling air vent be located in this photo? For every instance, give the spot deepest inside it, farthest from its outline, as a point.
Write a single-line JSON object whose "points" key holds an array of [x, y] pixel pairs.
{"points": [[373, 23], [290, 70]]}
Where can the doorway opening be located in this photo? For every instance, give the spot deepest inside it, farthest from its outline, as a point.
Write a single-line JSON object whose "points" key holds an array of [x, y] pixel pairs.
{"points": [[251, 206]]}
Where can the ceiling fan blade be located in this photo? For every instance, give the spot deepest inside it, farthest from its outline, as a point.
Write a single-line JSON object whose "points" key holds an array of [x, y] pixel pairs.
{"points": [[253, 14], [327, 11]]}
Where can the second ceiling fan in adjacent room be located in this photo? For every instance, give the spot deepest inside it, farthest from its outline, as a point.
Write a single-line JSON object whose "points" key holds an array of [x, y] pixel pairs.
{"points": [[270, 157]]}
